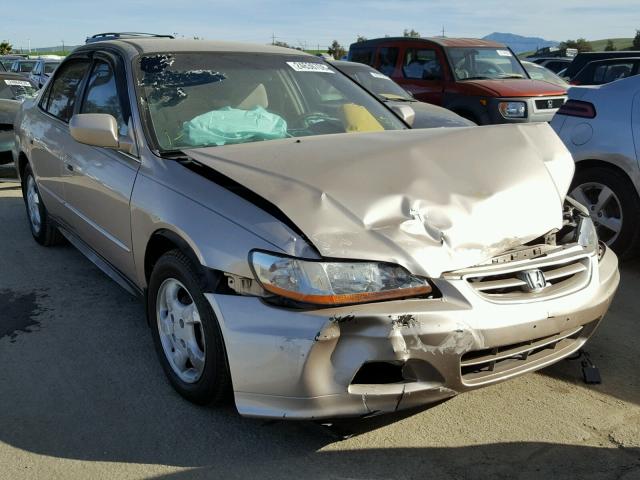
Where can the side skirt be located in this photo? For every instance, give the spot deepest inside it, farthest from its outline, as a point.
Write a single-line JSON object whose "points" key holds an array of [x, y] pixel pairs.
{"points": [[113, 273]]}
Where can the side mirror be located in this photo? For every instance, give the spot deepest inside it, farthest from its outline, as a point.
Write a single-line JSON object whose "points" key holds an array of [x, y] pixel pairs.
{"points": [[99, 130], [405, 112]]}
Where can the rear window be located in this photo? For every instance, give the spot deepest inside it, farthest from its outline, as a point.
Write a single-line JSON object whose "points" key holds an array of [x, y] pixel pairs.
{"points": [[362, 55], [613, 71], [24, 67], [16, 89]]}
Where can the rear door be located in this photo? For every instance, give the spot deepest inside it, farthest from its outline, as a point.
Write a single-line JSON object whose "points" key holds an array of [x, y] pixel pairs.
{"points": [[422, 72], [47, 130], [99, 181]]}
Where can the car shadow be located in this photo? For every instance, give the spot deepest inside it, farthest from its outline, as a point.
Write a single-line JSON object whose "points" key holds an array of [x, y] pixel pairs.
{"points": [[526, 460], [614, 346]]}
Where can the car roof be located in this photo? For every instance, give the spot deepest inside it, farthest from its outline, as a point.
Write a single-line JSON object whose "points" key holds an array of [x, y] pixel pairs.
{"points": [[442, 41], [146, 45], [613, 60]]}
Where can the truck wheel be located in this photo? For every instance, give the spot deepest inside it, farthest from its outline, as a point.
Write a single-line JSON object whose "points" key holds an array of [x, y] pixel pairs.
{"points": [[42, 229], [614, 207], [185, 331]]}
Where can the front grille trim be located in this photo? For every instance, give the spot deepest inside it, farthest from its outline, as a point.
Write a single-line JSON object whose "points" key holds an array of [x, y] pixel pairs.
{"points": [[564, 276]]}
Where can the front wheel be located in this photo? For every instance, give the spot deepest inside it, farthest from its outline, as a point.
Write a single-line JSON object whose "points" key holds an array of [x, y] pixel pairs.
{"points": [[186, 332], [614, 207]]}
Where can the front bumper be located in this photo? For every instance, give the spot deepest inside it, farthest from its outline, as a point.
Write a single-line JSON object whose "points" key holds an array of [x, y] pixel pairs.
{"points": [[308, 365]]}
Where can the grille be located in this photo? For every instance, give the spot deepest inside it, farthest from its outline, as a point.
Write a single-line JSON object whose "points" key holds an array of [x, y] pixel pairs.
{"points": [[482, 366], [561, 278], [543, 104]]}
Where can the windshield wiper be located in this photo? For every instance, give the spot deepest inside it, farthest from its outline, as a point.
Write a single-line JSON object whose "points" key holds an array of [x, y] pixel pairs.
{"points": [[515, 75], [479, 77]]}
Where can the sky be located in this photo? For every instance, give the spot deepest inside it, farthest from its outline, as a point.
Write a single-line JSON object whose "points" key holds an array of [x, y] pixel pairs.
{"points": [[46, 23]]}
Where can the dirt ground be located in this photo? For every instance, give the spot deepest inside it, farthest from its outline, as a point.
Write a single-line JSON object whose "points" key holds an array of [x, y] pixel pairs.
{"points": [[82, 395]]}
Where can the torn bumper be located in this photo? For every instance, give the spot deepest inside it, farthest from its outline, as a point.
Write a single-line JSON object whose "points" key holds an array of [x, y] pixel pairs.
{"points": [[303, 365]]}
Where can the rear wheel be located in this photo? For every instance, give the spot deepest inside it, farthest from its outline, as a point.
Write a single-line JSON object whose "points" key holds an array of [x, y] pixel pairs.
{"points": [[614, 207], [186, 332], [42, 229]]}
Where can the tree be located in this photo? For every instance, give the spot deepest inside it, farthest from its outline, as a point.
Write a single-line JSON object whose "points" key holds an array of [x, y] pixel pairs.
{"points": [[636, 41], [411, 33], [361, 39], [581, 44], [610, 46], [336, 50], [278, 43], [5, 48]]}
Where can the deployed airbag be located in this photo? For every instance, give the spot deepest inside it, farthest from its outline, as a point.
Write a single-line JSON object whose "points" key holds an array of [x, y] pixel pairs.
{"points": [[232, 125]]}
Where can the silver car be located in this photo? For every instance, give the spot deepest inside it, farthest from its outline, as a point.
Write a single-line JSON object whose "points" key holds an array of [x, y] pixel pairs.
{"points": [[295, 242], [600, 125]]}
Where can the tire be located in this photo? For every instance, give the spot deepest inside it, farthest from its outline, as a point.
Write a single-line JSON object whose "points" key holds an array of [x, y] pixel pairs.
{"points": [[192, 353], [42, 228], [616, 218]]}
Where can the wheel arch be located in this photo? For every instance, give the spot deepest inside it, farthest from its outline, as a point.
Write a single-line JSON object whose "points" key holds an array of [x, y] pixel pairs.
{"points": [[615, 167], [23, 161]]}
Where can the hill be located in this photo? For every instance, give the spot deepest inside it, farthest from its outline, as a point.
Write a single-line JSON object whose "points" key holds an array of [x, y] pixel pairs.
{"points": [[519, 43]]}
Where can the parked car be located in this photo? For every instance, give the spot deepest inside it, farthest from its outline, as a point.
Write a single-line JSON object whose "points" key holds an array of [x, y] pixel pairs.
{"points": [[2, 69], [583, 59], [308, 250], [478, 79], [426, 115], [7, 60], [538, 72], [42, 70], [555, 64], [23, 66], [601, 128], [600, 72], [14, 89]]}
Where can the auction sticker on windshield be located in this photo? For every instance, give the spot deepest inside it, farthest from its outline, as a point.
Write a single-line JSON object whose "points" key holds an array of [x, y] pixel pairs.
{"points": [[504, 53], [17, 83], [310, 67]]}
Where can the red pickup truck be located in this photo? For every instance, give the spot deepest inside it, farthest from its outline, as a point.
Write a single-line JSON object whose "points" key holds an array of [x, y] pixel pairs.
{"points": [[478, 79]]}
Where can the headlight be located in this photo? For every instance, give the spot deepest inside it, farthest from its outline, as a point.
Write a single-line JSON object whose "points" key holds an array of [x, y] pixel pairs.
{"points": [[334, 283], [513, 109]]}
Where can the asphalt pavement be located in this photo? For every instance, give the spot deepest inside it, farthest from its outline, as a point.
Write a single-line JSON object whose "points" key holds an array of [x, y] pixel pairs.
{"points": [[82, 395]]}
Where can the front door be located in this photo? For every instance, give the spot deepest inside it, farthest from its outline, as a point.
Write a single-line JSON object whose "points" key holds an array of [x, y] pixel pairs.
{"points": [[99, 181]]}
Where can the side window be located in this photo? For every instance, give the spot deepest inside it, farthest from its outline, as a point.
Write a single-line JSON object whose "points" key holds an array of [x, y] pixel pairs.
{"points": [[421, 64], [388, 59], [63, 91], [362, 55], [102, 94], [609, 73]]}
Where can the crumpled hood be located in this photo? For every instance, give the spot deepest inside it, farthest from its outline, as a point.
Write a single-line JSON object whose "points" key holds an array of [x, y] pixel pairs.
{"points": [[430, 200]]}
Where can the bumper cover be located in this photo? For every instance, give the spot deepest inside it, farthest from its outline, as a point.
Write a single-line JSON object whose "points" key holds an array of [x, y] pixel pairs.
{"points": [[301, 365]]}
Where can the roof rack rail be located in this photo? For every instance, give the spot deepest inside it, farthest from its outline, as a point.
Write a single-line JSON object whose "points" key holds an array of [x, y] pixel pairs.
{"points": [[99, 37]]}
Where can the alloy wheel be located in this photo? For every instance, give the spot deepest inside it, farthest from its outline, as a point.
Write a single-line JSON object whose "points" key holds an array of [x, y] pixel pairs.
{"points": [[180, 330], [604, 208]]}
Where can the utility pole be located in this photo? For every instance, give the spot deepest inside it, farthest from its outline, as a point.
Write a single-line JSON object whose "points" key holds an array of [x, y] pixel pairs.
{"points": [[273, 39], [29, 40], [63, 46], [443, 31]]}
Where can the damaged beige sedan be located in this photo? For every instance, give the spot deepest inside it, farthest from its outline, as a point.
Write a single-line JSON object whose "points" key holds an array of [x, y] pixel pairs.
{"points": [[295, 242]]}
